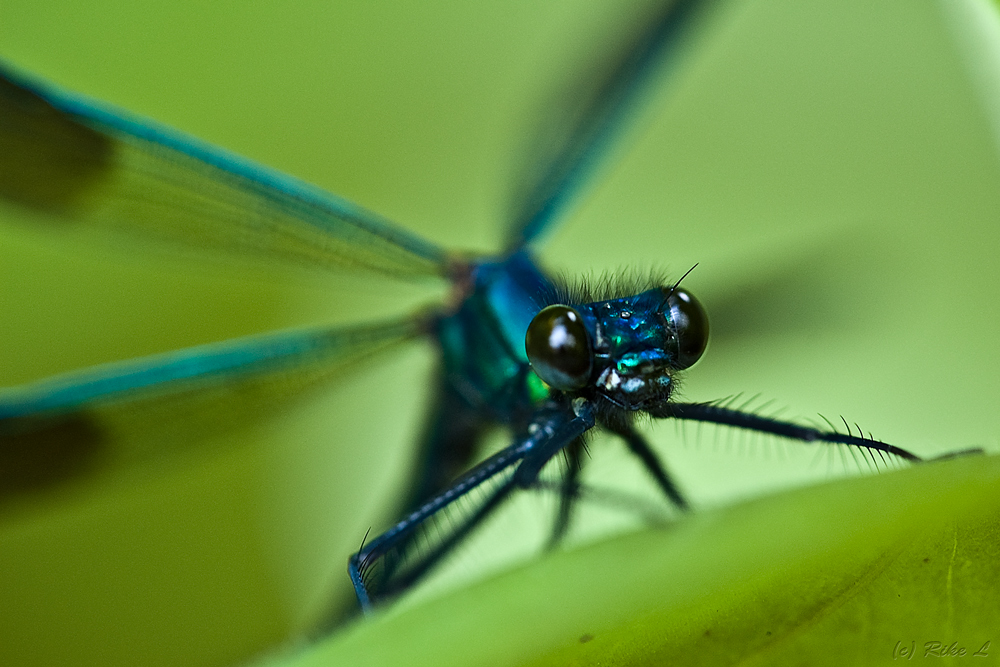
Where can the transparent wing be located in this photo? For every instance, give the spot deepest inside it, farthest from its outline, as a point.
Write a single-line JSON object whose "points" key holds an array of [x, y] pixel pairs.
{"points": [[97, 167], [586, 134], [111, 415]]}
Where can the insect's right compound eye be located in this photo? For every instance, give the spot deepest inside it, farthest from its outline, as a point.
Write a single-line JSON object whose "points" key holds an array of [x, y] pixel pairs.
{"points": [[558, 348]]}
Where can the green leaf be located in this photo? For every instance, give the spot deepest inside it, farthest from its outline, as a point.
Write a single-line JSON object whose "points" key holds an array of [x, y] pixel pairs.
{"points": [[853, 572]]}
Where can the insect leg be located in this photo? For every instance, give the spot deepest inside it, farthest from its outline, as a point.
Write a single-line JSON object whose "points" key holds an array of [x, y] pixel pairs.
{"points": [[447, 446], [389, 564], [569, 491], [716, 414], [638, 445], [405, 574]]}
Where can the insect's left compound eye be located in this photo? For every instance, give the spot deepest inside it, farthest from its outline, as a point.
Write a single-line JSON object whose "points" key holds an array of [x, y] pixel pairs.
{"points": [[691, 323], [558, 348]]}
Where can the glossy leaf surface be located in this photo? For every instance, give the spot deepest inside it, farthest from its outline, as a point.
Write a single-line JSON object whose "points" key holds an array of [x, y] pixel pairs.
{"points": [[857, 572]]}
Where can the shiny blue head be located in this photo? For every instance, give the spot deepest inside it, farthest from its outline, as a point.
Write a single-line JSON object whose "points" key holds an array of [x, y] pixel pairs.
{"points": [[624, 350]]}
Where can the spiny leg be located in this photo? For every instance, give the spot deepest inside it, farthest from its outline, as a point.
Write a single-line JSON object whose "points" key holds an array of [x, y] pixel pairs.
{"points": [[569, 491], [381, 567], [432, 558], [638, 445], [718, 414], [448, 444]]}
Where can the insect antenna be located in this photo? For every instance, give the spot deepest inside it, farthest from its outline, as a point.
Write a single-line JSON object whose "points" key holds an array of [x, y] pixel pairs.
{"points": [[670, 293]]}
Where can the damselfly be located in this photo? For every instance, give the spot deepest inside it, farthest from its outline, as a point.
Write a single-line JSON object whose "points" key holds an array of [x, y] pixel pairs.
{"points": [[92, 143]]}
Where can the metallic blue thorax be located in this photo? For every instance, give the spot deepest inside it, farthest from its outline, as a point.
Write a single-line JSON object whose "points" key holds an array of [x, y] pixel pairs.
{"points": [[483, 341]]}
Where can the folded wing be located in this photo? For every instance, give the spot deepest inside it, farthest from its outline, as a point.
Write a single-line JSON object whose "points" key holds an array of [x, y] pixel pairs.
{"points": [[110, 416], [96, 167]]}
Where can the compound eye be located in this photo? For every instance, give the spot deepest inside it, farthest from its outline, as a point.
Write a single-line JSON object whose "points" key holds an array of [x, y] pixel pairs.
{"points": [[558, 348], [691, 323]]}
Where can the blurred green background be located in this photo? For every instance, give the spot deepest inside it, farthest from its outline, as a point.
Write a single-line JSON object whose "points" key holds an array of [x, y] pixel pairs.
{"points": [[829, 166]]}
